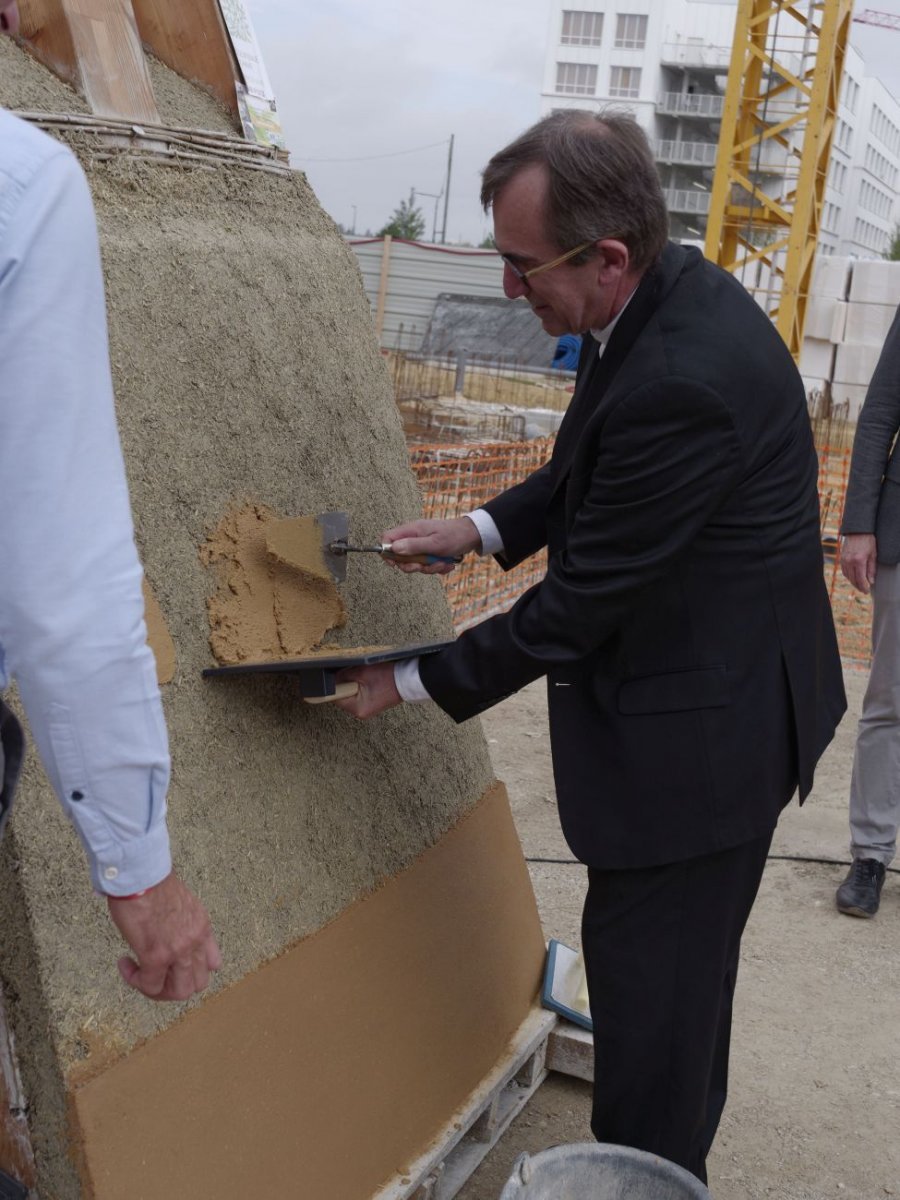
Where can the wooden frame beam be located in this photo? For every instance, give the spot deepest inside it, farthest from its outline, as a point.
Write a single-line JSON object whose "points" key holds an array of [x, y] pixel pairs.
{"points": [[192, 40], [95, 46]]}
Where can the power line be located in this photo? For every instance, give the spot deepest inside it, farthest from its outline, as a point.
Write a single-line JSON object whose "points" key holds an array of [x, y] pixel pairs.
{"points": [[371, 157]]}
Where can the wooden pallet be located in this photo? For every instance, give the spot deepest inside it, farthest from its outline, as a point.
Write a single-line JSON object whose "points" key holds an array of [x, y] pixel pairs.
{"points": [[570, 1051], [542, 1043], [440, 1172]]}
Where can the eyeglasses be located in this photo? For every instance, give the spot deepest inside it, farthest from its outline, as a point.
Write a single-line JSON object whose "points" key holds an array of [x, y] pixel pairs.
{"points": [[524, 276]]}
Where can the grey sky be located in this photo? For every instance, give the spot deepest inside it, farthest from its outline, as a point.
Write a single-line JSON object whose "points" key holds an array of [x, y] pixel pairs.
{"points": [[359, 78], [355, 78], [879, 47]]}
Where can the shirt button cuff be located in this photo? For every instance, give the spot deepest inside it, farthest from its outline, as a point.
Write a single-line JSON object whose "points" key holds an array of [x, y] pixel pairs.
{"points": [[110, 872]]}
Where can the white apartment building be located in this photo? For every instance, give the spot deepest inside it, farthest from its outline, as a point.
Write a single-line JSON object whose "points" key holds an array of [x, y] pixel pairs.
{"points": [[667, 60]]}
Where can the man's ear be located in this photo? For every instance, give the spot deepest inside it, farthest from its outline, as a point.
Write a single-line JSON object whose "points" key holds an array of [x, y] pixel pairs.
{"points": [[613, 259]]}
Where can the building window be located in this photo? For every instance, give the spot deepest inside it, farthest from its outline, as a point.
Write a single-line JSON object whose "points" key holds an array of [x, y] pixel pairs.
{"points": [[625, 83], [631, 32], [581, 28], [576, 79], [850, 93]]}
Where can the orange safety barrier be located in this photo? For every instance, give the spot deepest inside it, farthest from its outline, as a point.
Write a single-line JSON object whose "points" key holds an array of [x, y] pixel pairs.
{"points": [[454, 481], [457, 479]]}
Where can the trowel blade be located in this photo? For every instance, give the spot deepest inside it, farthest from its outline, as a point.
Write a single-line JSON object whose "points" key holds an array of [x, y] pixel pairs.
{"points": [[335, 527]]}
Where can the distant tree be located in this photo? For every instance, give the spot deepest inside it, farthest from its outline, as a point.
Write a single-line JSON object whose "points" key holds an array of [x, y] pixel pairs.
{"points": [[487, 242], [893, 251], [406, 222]]}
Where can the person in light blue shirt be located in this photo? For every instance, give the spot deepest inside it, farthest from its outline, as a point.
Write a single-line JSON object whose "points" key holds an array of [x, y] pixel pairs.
{"points": [[72, 631]]}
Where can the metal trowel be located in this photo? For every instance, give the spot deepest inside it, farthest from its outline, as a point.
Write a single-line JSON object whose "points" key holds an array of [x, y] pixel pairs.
{"points": [[319, 546], [338, 547], [303, 543]]}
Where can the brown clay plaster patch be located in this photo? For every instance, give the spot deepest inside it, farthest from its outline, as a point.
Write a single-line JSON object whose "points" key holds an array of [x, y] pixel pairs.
{"points": [[263, 610], [297, 542], [158, 637], [329, 650]]}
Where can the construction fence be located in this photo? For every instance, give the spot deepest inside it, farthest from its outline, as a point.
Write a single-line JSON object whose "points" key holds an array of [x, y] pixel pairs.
{"points": [[455, 479], [497, 381]]}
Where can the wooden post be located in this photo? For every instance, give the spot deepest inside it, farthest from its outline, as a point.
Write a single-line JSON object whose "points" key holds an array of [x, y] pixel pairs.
{"points": [[382, 285], [95, 46], [192, 40]]}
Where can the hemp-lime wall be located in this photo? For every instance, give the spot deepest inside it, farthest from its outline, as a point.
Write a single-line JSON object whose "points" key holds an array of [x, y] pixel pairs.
{"points": [[245, 368]]}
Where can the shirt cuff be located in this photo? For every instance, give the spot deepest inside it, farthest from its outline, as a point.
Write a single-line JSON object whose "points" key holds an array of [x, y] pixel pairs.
{"points": [[491, 541], [408, 681], [133, 866]]}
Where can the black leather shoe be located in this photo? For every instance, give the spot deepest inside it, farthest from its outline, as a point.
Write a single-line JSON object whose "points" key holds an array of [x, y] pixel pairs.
{"points": [[860, 893]]}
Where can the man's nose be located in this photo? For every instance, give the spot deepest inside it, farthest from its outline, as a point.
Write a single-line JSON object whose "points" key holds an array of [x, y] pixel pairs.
{"points": [[513, 286]]}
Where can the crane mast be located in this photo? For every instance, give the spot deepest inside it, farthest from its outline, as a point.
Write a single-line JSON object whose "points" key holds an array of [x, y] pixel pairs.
{"points": [[775, 140]]}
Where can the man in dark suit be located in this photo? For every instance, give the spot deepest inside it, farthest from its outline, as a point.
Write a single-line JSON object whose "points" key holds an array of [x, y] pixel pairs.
{"points": [[683, 623], [870, 553]]}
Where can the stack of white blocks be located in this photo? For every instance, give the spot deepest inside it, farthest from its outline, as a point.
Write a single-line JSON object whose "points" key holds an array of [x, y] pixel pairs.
{"points": [[851, 307]]}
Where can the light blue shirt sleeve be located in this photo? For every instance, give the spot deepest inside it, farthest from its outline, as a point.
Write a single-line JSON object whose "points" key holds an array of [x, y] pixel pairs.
{"points": [[407, 679], [72, 631]]}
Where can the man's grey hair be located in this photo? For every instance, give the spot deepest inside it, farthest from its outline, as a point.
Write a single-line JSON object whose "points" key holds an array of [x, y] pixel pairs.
{"points": [[602, 181]]}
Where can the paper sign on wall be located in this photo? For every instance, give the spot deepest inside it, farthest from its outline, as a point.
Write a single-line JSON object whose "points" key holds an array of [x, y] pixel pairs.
{"points": [[256, 99]]}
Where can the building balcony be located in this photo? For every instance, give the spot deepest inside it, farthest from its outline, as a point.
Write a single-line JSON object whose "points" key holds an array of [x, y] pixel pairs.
{"points": [[770, 158], [698, 56], [696, 154], [686, 200], [691, 104]]}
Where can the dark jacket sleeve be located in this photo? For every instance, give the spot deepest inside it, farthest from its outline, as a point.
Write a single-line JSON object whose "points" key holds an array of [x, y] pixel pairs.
{"points": [[666, 458], [520, 516], [876, 430]]}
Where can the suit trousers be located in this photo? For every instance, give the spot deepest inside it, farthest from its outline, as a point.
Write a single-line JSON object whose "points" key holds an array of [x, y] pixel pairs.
{"points": [[875, 783], [12, 751], [661, 948]]}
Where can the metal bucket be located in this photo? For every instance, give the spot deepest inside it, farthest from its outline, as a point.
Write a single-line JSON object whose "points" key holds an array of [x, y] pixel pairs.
{"points": [[597, 1171]]}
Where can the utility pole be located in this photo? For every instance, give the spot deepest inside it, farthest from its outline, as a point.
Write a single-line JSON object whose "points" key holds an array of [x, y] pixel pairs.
{"points": [[353, 230], [447, 189], [436, 198]]}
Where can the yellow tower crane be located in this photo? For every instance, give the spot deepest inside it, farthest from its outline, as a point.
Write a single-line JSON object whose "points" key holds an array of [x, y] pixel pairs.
{"points": [[774, 147]]}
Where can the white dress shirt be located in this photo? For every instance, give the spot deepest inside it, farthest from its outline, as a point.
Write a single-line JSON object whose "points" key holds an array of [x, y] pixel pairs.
{"points": [[407, 678], [72, 631]]}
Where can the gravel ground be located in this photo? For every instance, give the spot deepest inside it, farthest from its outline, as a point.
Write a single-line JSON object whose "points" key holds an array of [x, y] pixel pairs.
{"points": [[814, 1106]]}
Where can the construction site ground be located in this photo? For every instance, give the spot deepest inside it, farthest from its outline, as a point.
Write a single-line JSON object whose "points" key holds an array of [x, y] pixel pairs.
{"points": [[814, 1103]]}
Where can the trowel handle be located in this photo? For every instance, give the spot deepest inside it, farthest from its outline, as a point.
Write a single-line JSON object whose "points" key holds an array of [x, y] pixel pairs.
{"points": [[426, 560], [341, 692]]}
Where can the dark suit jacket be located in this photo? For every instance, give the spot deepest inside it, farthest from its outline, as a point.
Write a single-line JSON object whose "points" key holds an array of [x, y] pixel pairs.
{"points": [[873, 492], [683, 623]]}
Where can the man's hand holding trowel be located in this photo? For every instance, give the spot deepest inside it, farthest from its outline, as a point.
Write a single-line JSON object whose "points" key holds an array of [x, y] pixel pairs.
{"points": [[444, 540], [432, 539]]}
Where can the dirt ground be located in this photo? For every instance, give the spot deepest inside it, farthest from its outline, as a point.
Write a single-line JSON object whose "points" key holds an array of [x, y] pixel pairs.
{"points": [[814, 1104]]}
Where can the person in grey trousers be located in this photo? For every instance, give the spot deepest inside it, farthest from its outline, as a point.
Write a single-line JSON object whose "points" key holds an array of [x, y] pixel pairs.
{"points": [[870, 559]]}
